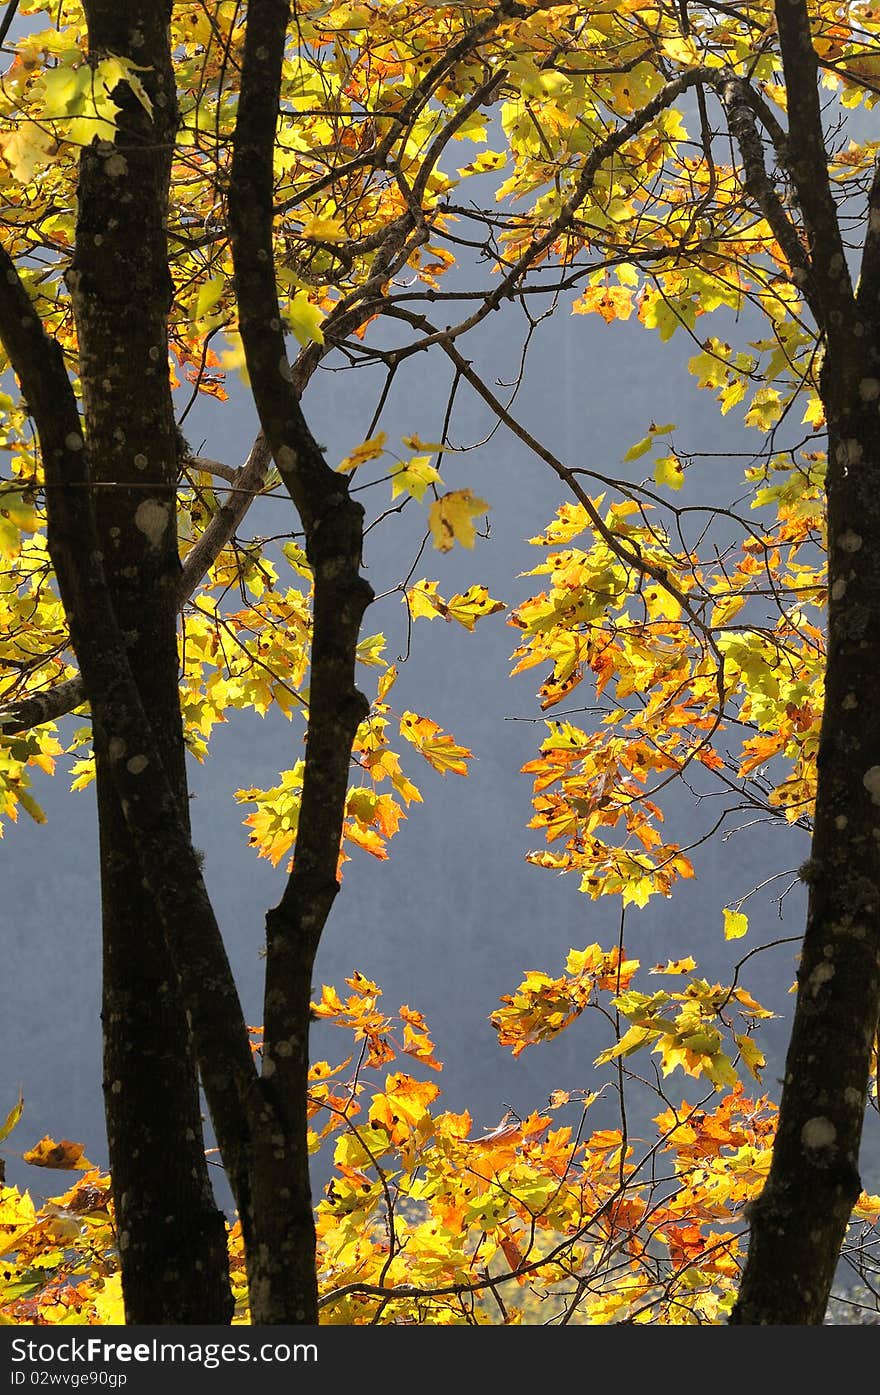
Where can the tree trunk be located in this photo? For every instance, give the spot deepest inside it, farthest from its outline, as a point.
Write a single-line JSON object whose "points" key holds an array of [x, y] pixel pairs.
{"points": [[281, 1252], [799, 1222], [172, 1236], [280, 1230]]}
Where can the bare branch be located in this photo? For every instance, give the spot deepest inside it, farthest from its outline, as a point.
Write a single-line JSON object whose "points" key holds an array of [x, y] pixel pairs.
{"points": [[6, 21], [213, 467], [622, 549], [246, 483]]}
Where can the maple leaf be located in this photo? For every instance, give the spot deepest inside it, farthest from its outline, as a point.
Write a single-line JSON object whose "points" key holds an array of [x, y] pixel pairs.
{"points": [[304, 318], [467, 608], [451, 518], [324, 229], [367, 450], [437, 746], [413, 476], [514, 1256], [11, 1119], [675, 966], [668, 470], [64, 1155], [611, 302], [645, 444], [402, 1107], [27, 149]]}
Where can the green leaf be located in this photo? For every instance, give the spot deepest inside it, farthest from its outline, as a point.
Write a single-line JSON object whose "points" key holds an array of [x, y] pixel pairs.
{"points": [[12, 1118]]}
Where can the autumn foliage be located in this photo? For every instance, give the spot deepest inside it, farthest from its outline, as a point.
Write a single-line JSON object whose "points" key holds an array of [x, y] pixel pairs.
{"points": [[545, 1219], [574, 158]]}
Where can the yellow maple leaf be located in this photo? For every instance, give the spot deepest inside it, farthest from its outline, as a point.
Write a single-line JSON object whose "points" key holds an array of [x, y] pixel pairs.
{"points": [[867, 1208], [66, 87], [367, 839], [675, 966], [12, 1118], [64, 1155], [437, 746], [681, 50], [367, 450], [386, 682], [27, 149], [413, 476], [331, 1005], [473, 605], [466, 608], [668, 470], [324, 230], [451, 518], [109, 1304], [424, 601], [751, 1054], [304, 319], [403, 1106]]}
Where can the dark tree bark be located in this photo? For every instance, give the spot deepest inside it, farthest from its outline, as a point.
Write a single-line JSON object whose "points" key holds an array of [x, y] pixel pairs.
{"points": [[799, 1221], [172, 1235], [333, 524]]}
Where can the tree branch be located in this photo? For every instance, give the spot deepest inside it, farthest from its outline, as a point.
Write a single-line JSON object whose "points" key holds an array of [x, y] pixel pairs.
{"points": [[735, 95], [626, 553], [331, 519], [47, 706], [868, 292], [774, 128], [6, 21], [808, 165], [246, 482]]}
